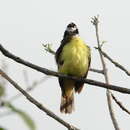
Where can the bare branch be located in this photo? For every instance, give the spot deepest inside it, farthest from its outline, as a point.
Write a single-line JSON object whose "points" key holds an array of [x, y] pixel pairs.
{"points": [[30, 88], [114, 62], [48, 48], [26, 79], [120, 104], [53, 73], [112, 114], [95, 22], [36, 103], [96, 70]]}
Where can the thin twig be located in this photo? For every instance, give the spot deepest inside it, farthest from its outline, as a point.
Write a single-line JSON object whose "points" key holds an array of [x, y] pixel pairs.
{"points": [[48, 48], [115, 63], [30, 88], [36, 103], [96, 70], [112, 114], [120, 104], [53, 73], [26, 79], [95, 22]]}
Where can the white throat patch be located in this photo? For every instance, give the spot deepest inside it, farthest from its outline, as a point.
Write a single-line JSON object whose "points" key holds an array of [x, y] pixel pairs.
{"points": [[72, 29]]}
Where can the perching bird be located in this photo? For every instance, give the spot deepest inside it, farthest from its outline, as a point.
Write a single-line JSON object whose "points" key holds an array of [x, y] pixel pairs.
{"points": [[73, 58]]}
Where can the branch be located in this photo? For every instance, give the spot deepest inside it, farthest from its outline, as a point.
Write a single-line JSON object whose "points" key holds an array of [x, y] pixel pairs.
{"points": [[48, 48], [26, 79], [115, 63], [120, 104], [30, 88], [95, 22], [111, 111], [53, 73], [96, 70], [36, 103]]}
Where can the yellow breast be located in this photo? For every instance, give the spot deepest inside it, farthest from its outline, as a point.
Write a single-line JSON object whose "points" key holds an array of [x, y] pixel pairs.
{"points": [[75, 56]]}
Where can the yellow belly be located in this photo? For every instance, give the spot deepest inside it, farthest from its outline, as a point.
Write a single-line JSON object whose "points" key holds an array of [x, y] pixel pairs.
{"points": [[75, 56]]}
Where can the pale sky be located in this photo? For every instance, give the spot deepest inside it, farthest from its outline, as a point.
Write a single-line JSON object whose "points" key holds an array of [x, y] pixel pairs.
{"points": [[26, 24]]}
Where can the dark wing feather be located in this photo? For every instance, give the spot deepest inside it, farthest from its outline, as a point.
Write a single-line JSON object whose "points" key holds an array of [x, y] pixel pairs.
{"points": [[58, 52], [65, 40], [59, 62]]}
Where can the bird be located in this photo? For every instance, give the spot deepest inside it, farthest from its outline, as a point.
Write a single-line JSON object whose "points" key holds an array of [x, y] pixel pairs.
{"points": [[73, 58]]}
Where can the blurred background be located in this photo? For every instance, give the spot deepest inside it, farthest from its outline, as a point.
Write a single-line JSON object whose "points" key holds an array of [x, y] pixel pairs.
{"points": [[26, 25]]}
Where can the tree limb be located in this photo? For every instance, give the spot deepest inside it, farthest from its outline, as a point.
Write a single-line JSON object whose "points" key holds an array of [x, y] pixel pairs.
{"points": [[95, 22], [96, 70], [36, 103], [53, 73], [48, 48], [120, 104], [114, 62], [30, 88]]}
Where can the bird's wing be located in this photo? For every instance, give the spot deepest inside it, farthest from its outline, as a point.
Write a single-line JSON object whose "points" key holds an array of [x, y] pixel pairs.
{"points": [[59, 50], [60, 62]]}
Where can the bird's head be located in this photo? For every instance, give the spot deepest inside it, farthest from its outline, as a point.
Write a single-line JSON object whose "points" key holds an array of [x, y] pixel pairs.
{"points": [[71, 30]]}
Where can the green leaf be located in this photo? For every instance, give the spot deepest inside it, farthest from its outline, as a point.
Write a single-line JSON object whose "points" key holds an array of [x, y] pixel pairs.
{"points": [[103, 42], [26, 118], [48, 48], [2, 91], [1, 128]]}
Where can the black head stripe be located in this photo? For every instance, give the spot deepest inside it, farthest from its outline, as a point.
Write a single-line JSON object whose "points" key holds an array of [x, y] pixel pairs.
{"points": [[71, 30], [71, 25]]}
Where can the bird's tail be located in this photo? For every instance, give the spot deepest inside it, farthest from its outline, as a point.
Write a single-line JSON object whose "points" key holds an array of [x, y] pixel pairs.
{"points": [[67, 103]]}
